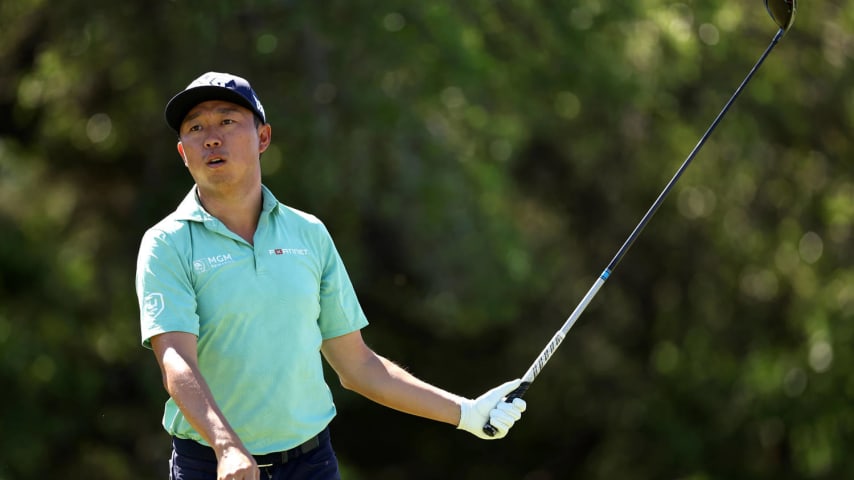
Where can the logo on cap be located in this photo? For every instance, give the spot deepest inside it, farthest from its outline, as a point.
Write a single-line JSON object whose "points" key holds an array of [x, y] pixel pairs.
{"points": [[213, 86]]}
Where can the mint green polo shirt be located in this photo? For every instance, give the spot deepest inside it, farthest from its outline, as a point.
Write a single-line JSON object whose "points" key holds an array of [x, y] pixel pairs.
{"points": [[260, 314]]}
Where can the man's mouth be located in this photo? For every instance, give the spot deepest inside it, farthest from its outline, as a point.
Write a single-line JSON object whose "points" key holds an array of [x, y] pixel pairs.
{"points": [[215, 161]]}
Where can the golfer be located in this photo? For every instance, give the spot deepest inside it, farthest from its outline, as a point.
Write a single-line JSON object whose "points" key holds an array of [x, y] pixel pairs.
{"points": [[241, 295]]}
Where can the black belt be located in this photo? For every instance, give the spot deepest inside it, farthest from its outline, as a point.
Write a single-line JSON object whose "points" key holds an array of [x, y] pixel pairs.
{"points": [[191, 448]]}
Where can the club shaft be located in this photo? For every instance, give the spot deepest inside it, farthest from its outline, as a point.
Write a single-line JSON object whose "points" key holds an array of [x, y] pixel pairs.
{"points": [[558, 337], [658, 201]]}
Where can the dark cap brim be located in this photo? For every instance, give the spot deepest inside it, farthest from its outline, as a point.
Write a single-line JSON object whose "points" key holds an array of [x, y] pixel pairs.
{"points": [[181, 104]]}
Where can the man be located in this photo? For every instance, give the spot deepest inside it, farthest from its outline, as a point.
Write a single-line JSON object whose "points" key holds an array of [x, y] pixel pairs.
{"points": [[240, 296]]}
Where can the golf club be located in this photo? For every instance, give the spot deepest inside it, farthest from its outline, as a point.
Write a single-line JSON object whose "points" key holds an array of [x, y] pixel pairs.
{"points": [[783, 13]]}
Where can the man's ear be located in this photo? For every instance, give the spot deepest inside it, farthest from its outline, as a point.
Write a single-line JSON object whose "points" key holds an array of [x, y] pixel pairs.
{"points": [[181, 152], [264, 136]]}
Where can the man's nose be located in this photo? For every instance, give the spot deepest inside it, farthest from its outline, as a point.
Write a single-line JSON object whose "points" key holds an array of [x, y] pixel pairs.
{"points": [[213, 141]]}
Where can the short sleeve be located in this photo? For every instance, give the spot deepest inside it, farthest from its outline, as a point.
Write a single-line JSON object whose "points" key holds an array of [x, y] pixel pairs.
{"points": [[340, 312], [167, 301]]}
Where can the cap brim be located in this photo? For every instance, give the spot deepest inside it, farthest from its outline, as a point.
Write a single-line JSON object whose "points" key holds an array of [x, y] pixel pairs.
{"points": [[181, 104]]}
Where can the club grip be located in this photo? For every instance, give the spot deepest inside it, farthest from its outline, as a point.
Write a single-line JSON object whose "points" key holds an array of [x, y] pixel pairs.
{"points": [[517, 393]]}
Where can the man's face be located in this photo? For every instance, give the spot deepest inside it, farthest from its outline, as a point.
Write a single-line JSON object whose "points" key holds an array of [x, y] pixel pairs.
{"points": [[221, 146]]}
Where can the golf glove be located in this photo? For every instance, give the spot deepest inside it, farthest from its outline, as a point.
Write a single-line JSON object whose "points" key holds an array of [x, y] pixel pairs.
{"points": [[492, 407]]}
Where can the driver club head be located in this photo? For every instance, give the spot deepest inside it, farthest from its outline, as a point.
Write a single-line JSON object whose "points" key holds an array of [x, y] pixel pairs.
{"points": [[782, 11]]}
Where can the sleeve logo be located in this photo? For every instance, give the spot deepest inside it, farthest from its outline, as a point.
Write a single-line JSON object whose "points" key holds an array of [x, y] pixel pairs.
{"points": [[153, 305]]}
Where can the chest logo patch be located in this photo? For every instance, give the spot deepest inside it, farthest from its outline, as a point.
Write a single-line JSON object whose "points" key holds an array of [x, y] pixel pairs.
{"points": [[288, 251], [201, 265]]}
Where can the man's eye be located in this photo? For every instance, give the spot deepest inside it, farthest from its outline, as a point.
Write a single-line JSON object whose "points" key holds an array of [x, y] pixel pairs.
{"points": [[227, 121], [195, 128]]}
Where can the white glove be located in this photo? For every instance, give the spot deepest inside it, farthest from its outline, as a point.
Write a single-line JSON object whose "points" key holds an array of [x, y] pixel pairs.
{"points": [[492, 407]]}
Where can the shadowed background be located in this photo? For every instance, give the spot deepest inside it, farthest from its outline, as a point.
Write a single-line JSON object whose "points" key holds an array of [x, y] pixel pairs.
{"points": [[478, 164]]}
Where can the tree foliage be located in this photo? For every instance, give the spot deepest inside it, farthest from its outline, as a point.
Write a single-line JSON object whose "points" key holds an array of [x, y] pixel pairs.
{"points": [[478, 164]]}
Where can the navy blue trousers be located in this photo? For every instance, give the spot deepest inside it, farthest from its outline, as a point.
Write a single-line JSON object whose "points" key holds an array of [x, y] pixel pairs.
{"points": [[194, 461]]}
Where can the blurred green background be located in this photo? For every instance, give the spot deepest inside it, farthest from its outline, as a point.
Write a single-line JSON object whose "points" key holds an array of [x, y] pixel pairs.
{"points": [[478, 163]]}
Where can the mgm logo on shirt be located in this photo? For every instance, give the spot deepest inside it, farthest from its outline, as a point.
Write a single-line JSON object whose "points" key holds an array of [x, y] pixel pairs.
{"points": [[202, 265]]}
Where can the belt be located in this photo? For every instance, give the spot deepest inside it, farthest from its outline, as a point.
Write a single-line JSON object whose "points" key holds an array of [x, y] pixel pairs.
{"points": [[191, 448]]}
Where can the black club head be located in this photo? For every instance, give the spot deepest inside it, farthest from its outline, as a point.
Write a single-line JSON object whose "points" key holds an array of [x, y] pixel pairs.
{"points": [[782, 11]]}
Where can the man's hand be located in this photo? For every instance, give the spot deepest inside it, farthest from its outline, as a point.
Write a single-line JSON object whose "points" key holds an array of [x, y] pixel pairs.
{"points": [[237, 464], [492, 407]]}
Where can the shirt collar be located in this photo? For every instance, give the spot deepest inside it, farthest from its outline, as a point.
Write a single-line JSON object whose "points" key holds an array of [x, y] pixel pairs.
{"points": [[191, 208], [269, 201]]}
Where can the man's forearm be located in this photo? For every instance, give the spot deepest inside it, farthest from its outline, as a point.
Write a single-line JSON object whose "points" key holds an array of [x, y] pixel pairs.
{"points": [[363, 371], [178, 357], [188, 388], [388, 384]]}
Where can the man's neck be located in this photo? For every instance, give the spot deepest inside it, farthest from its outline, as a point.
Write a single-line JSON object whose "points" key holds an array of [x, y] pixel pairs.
{"points": [[238, 210]]}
